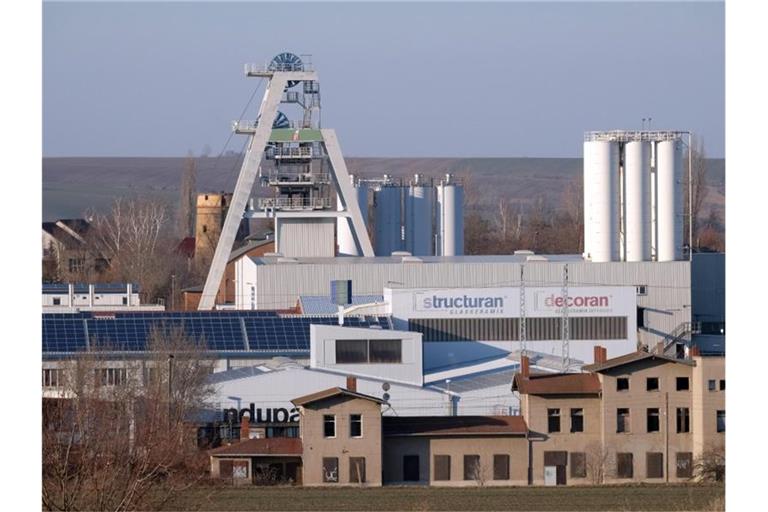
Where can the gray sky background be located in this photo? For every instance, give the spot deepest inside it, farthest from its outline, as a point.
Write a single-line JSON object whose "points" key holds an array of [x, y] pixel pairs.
{"points": [[431, 79]]}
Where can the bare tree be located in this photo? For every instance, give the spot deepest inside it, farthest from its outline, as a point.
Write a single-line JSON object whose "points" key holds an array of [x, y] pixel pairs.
{"points": [[118, 438], [599, 462], [695, 186], [710, 465], [187, 198]]}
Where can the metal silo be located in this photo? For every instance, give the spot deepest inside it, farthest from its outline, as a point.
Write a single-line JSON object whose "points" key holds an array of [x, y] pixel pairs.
{"points": [[601, 200], [669, 200], [450, 218], [387, 219], [637, 200], [419, 208]]}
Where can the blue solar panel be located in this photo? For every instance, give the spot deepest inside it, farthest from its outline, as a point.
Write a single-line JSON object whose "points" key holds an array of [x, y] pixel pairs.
{"points": [[218, 330]]}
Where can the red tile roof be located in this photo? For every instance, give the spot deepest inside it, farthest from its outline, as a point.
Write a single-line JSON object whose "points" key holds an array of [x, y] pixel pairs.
{"points": [[453, 425], [270, 446], [328, 393], [557, 384]]}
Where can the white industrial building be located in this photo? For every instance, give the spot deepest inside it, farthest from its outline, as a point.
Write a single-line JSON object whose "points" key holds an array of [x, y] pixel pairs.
{"points": [[70, 298]]}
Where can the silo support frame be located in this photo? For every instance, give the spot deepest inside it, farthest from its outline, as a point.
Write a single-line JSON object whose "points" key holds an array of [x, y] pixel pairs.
{"points": [[245, 180]]}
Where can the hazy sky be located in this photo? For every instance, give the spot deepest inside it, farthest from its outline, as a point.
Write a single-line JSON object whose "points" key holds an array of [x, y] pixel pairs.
{"points": [[430, 79]]}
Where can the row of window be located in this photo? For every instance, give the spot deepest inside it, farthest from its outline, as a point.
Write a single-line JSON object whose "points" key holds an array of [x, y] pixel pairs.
{"points": [[654, 465], [57, 300], [681, 384], [507, 329], [682, 420], [473, 470], [54, 377], [369, 351], [355, 425]]}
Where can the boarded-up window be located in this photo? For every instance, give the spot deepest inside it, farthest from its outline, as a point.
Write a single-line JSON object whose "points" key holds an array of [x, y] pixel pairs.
{"points": [[442, 467], [225, 468], [472, 467], [330, 469], [240, 469], [578, 465], [501, 467], [357, 470], [624, 465], [654, 465], [684, 465], [558, 458]]}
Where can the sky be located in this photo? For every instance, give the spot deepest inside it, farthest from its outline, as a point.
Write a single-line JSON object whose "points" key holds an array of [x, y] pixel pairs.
{"points": [[397, 80]]}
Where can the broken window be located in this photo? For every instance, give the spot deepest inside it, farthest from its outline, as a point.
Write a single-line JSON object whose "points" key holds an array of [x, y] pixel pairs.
{"points": [[652, 420], [683, 420], [553, 420], [577, 420], [683, 384], [622, 420], [622, 384], [652, 384]]}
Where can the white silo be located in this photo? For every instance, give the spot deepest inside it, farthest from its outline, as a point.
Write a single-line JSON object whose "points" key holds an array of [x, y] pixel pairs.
{"points": [[637, 200], [345, 239], [387, 219], [669, 200], [419, 208], [601, 200], [450, 218]]}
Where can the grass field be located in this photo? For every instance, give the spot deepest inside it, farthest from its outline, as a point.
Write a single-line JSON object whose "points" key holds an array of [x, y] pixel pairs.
{"points": [[614, 498]]}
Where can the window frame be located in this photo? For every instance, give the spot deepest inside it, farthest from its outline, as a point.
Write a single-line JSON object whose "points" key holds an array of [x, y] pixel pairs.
{"points": [[629, 461], [648, 384], [683, 420], [553, 413], [352, 421], [498, 461], [622, 389], [712, 385], [626, 425], [445, 459], [722, 385], [577, 412], [650, 415], [325, 424], [720, 414], [477, 466], [370, 351], [679, 382]]}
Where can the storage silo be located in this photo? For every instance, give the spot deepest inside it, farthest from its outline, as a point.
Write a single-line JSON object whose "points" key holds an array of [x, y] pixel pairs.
{"points": [[669, 200], [601, 200], [419, 208], [387, 219], [450, 218], [637, 200]]}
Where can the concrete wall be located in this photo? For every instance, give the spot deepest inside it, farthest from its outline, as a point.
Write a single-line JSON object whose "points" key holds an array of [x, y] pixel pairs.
{"points": [[343, 446]]}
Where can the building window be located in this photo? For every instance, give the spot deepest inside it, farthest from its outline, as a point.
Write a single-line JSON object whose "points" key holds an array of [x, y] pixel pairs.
{"points": [[622, 420], [652, 384], [125, 301], [472, 470], [357, 470], [642, 289], [76, 264], [369, 351], [624, 465], [712, 385], [553, 420], [577, 420], [652, 420], [110, 376], [654, 465], [684, 465], [722, 384], [578, 465], [329, 425], [682, 383], [442, 467], [501, 467], [356, 425], [721, 421], [56, 301], [330, 469], [52, 378], [683, 420], [622, 384], [411, 470], [205, 228]]}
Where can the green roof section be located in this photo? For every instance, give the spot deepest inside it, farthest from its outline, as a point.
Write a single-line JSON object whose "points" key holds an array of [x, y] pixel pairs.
{"points": [[291, 135]]}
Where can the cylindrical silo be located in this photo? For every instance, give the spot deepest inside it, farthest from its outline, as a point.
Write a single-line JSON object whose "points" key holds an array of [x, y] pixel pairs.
{"points": [[669, 200], [637, 200], [419, 207], [450, 218], [387, 220], [601, 200]]}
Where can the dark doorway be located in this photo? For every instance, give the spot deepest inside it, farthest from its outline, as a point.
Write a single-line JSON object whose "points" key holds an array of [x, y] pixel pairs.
{"points": [[561, 475], [411, 468]]}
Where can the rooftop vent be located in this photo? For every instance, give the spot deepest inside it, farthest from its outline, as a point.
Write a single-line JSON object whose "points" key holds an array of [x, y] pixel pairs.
{"points": [[536, 258], [522, 252], [287, 260]]}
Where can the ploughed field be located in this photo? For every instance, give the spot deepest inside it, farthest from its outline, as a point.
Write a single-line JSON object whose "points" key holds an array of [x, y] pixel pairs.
{"points": [[614, 498]]}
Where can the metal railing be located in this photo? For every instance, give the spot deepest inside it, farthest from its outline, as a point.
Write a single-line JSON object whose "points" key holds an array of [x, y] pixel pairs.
{"points": [[264, 69], [286, 152], [294, 203], [632, 135], [681, 333], [297, 177]]}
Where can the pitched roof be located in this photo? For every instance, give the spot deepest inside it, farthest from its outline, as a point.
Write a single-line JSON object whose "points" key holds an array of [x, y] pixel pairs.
{"points": [[632, 358], [273, 446], [557, 384], [331, 392], [453, 425], [249, 246]]}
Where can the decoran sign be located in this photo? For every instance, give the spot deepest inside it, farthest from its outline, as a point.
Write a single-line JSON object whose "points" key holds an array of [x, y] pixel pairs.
{"points": [[262, 415]]}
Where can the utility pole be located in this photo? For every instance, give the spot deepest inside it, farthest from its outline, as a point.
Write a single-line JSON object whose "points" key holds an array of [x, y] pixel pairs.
{"points": [[521, 326], [173, 292], [170, 389], [566, 341]]}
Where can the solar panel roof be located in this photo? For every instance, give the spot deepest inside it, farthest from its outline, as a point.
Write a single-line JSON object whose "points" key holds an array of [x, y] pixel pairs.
{"points": [[241, 331]]}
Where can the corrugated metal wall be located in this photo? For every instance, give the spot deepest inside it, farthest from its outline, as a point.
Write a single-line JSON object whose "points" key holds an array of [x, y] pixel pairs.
{"points": [[297, 238]]}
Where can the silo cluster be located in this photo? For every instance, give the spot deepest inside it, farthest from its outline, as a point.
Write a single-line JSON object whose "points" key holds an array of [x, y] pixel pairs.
{"points": [[633, 196], [420, 217]]}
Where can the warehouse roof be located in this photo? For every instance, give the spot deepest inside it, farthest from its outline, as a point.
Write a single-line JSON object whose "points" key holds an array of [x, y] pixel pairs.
{"points": [[269, 446], [354, 260], [557, 384], [323, 305], [453, 425]]}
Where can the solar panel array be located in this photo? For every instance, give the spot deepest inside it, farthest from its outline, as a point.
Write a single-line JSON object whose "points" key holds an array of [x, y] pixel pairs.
{"points": [[260, 331]]}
